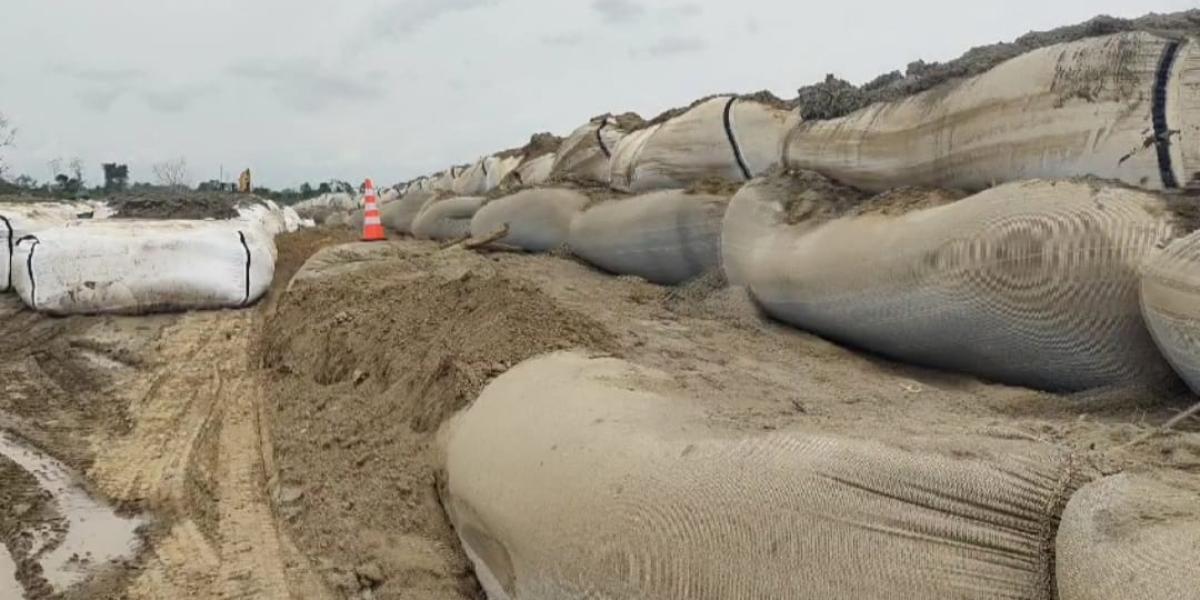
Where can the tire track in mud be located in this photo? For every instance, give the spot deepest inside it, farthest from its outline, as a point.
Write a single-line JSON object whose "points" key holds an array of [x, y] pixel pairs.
{"points": [[202, 381]]}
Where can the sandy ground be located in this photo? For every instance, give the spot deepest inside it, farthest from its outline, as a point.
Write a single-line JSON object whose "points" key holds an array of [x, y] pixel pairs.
{"points": [[160, 416], [379, 347], [285, 451]]}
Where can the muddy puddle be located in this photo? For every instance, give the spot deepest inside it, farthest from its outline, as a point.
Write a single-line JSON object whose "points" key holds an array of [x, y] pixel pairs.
{"points": [[89, 536]]}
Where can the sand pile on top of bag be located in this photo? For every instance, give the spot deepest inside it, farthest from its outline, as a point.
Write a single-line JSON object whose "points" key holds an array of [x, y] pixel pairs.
{"points": [[835, 97], [168, 204]]}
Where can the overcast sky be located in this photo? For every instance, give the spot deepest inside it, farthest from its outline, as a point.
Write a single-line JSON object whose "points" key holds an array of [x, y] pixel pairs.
{"points": [[307, 90]]}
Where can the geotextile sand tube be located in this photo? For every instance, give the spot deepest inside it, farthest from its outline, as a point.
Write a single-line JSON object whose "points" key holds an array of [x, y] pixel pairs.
{"points": [[664, 237], [446, 219], [577, 477], [586, 153], [538, 220], [1033, 283], [1132, 536], [532, 171], [1171, 305], [1124, 106], [398, 216], [727, 137], [625, 157]]}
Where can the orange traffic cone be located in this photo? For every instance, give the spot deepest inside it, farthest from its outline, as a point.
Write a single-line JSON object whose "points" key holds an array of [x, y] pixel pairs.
{"points": [[372, 226]]}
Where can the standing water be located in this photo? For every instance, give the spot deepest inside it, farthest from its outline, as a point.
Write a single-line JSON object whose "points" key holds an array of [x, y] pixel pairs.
{"points": [[95, 535]]}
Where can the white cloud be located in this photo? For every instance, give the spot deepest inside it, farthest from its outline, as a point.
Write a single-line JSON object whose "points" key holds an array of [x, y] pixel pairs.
{"points": [[675, 46], [409, 16], [304, 83], [618, 11], [273, 90]]}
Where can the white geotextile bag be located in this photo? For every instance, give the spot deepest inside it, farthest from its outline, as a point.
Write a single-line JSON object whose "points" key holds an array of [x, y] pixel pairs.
{"points": [[1132, 536], [538, 219], [626, 155], [579, 477], [472, 181], [137, 267], [534, 171], [665, 237], [586, 153], [269, 217], [1122, 107], [1032, 283], [325, 202], [725, 137], [19, 220], [446, 219], [1171, 304], [499, 167]]}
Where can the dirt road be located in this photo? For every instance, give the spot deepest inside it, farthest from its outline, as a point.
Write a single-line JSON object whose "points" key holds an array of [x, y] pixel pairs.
{"points": [[161, 417]]}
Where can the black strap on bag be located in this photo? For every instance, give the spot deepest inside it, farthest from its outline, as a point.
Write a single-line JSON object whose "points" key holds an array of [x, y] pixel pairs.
{"points": [[737, 150], [29, 267], [1162, 132], [600, 139], [249, 260], [8, 238]]}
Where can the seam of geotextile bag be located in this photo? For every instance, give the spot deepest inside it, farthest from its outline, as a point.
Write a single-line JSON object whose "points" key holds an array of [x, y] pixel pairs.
{"points": [[737, 150], [246, 247], [29, 267], [600, 140], [9, 239], [1069, 481], [1162, 130]]}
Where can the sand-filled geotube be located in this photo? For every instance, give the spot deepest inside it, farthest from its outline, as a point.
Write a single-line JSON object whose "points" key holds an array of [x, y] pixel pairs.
{"points": [[1033, 283], [1171, 304], [138, 267], [1132, 536], [579, 477], [585, 154], [1124, 106], [18, 221], [665, 237], [399, 215], [727, 137], [538, 220], [472, 181], [446, 219], [532, 171]]}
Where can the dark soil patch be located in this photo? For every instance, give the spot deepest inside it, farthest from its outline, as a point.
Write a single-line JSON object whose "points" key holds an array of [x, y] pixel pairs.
{"points": [[166, 204]]}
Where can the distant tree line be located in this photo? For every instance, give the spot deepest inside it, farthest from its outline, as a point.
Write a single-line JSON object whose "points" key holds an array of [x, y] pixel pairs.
{"points": [[68, 182]]}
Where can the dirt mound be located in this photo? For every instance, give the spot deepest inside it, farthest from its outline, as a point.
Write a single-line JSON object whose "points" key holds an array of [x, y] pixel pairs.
{"points": [[592, 189], [810, 197], [763, 96], [540, 144], [368, 360], [714, 186], [167, 204], [836, 97]]}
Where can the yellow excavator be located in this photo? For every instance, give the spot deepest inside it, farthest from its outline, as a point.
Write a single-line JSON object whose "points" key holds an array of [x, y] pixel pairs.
{"points": [[244, 182]]}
